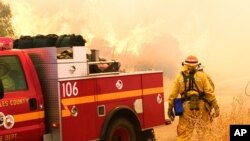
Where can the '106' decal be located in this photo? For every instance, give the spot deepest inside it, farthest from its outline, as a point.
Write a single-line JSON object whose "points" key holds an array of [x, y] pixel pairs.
{"points": [[69, 89]]}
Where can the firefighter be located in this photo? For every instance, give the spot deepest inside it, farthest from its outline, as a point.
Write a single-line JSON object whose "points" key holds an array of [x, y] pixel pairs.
{"points": [[8, 82], [198, 100]]}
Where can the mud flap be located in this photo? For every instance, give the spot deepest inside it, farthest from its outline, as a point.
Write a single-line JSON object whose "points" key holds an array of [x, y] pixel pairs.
{"points": [[148, 135]]}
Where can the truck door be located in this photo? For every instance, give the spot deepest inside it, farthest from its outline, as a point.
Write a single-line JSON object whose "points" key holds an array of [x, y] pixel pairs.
{"points": [[20, 116]]}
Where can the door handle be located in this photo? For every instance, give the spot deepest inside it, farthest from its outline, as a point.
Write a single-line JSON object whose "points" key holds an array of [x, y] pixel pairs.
{"points": [[33, 104]]}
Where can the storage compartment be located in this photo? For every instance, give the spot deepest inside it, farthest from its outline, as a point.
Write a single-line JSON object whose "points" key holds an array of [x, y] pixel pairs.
{"points": [[71, 54], [67, 70], [47, 64]]}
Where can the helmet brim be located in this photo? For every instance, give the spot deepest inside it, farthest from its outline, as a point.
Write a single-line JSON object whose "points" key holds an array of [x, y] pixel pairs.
{"points": [[191, 64]]}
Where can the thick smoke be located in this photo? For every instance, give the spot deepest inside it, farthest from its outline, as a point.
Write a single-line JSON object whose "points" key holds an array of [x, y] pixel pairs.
{"points": [[152, 34], [160, 53], [127, 31]]}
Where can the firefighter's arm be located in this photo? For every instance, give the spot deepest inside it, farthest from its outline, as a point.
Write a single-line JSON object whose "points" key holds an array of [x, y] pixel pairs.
{"points": [[175, 91], [171, 98], [210, 96], [210, 81], [209, 91]]}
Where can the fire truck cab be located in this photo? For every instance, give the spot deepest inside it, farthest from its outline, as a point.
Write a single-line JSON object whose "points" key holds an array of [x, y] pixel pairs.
{"points": [[43, 97]]}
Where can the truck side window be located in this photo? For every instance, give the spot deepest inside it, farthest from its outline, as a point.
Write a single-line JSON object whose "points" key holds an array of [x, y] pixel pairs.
{"points": [[11, 74]]}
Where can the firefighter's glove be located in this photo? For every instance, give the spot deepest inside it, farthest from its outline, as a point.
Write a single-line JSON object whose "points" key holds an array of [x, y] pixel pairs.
{"points": [[171, 114], [216, 108], [216, 112]]}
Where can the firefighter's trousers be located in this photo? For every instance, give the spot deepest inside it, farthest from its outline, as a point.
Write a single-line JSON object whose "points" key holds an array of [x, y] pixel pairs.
{"points": [[200, 120]]}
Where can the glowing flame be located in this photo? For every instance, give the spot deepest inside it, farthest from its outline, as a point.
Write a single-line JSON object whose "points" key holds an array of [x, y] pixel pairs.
{"points": [[127, 30]]}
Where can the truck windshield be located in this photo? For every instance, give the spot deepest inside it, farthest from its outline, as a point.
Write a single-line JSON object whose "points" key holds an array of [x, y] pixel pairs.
{"points": [[11, 73]]}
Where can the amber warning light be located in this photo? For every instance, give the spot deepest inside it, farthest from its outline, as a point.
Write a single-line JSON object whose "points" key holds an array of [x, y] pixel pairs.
{"points": [[6, 43]]}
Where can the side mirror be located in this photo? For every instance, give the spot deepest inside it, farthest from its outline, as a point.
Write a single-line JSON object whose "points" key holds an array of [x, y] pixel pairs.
{"points": [[1, 89]]}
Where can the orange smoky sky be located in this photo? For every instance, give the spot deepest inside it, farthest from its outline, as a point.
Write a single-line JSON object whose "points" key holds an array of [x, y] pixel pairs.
{"points": [[159, 32]]}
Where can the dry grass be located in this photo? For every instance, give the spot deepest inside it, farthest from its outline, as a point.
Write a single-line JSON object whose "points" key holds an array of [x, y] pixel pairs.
{"points": [[237, 113]]}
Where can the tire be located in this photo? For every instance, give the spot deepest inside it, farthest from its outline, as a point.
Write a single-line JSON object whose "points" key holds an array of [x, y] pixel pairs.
{"points": [[121, 130]]}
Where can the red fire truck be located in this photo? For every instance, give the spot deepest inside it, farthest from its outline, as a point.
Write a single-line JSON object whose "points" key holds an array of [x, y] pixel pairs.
{"points": [[50, 99]]}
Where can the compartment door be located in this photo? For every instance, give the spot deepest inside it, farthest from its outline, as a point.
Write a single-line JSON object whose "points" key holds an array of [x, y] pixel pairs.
{"points": [[153, 99], [78, 109]]}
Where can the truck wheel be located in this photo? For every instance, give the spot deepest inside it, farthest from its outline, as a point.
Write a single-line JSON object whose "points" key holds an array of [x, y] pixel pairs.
{"points": [[121, 130]]}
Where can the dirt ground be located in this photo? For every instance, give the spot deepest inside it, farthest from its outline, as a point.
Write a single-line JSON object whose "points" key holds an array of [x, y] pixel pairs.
{"points": [[166, 132]]}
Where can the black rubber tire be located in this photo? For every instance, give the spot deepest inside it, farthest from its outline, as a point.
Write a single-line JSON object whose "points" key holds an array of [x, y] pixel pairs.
{"points": [[125, 127]]}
